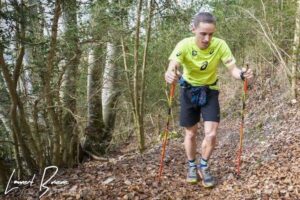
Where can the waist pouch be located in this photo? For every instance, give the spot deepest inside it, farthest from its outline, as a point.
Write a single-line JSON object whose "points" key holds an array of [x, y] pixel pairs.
{"points": [[199, 93]]}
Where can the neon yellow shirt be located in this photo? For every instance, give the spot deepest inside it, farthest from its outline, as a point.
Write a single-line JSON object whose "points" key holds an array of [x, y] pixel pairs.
{"points": [[200, 65]]}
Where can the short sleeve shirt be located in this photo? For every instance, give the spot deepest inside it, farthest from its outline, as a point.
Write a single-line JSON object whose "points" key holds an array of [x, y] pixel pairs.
{"points": [[200, 65]]}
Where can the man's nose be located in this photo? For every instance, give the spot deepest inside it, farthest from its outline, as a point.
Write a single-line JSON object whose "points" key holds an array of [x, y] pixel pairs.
{"points": [[206, 38]]}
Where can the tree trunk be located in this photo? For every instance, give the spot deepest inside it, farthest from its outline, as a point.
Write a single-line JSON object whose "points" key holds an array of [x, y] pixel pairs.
{"points": [[136, 83], [72, 54], [31, 59], [26, 81], [148, 33], [57, 128], [94, 130], [295, 57], [109, 93]]}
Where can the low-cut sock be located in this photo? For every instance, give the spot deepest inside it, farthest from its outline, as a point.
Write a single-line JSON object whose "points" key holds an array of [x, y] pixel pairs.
{"points": [[203, 163], [192, 163]]}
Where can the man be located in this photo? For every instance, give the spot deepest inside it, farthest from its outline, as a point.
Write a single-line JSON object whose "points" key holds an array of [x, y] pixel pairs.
{"points": [[199, 57]]}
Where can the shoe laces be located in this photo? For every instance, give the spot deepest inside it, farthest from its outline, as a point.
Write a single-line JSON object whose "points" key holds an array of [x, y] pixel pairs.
{"points": [[192, 170], [206, 173]]}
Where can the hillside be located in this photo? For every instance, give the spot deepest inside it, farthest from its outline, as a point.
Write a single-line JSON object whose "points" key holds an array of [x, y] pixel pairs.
{"points": [[270, 167]]}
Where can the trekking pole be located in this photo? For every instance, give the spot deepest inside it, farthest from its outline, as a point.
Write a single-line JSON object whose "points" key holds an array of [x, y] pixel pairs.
{"points": [[166, 131], [239, 154]]}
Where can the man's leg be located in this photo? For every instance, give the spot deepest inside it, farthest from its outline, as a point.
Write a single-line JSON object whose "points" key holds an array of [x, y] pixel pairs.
{"points": [[190, 143], [208, 145], [190, 146], [209, 142]]}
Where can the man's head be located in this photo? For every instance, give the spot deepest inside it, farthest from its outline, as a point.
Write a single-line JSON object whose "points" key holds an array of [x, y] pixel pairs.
{"points": [[203, 26]]}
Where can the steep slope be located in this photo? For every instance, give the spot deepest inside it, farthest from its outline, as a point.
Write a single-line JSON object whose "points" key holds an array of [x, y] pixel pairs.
{"points": [[270, 167]]}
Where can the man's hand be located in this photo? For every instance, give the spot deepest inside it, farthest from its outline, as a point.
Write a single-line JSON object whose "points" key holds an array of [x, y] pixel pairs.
{"points": [[240, 73], [172, 74], [246, 74]]}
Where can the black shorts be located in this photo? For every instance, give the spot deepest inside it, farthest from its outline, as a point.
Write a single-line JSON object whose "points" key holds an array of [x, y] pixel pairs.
{"points": [[190, 113]]}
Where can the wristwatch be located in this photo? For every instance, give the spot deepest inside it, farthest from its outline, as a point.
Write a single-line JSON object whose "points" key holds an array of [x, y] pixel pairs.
{"points": [[242, 75]]}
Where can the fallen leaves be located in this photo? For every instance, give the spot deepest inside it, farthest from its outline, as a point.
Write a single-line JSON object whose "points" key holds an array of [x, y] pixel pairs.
{"points": [[270, 166], [109, 180]]}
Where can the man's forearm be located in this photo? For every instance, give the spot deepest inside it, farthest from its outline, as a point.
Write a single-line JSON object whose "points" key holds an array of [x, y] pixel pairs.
{"points": [[173, 66], [235, 72]]}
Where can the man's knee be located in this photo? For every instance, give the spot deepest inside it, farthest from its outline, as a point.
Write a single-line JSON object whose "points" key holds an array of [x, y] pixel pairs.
{"points": [[190, 135], [210, 129], [191, 132], [211, 136]]}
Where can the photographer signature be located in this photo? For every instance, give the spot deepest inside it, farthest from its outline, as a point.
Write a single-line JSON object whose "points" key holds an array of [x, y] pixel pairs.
{"points": [[43, 184]]}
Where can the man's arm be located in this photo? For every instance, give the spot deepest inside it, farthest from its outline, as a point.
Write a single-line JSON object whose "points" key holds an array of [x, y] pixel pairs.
{"points": [[172, 74], [240, 73]]}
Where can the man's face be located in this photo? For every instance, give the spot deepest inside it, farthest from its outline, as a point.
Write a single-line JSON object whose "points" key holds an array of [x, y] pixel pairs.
{"points": [[203, 33]]}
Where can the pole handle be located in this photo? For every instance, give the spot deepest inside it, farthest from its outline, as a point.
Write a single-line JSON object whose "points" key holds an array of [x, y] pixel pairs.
{"points": [[246, 81], [172, 89]]}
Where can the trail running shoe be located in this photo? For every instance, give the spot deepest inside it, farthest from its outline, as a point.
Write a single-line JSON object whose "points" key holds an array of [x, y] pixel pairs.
{"points": [[207, 179], [192, 176]]}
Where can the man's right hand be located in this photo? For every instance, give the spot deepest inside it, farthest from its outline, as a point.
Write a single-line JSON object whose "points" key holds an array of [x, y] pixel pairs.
{"points": [[172, 74]]}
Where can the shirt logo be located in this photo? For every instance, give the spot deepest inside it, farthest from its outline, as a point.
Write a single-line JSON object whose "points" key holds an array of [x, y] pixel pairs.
{"points": [[204, 65], [178, 54], [211, 51], [194, 53]]}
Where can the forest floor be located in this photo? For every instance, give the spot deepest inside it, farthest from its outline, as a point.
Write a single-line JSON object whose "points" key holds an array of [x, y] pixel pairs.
{"points": [[270, 162]]}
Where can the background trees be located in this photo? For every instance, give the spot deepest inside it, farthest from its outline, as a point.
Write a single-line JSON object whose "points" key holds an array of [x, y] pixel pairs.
{"points": [[88, 75]]}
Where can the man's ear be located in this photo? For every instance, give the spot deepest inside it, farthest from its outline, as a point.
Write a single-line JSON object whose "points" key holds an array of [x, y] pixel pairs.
{"points": [[192, 27]]}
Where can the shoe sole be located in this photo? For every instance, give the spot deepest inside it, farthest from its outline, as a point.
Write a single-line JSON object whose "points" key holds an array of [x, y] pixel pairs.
{"points": [[205, 185], [192, 181]]}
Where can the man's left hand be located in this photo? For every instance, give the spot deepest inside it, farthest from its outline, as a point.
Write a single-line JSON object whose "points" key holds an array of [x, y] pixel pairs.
{"points": [[246, 73]]}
